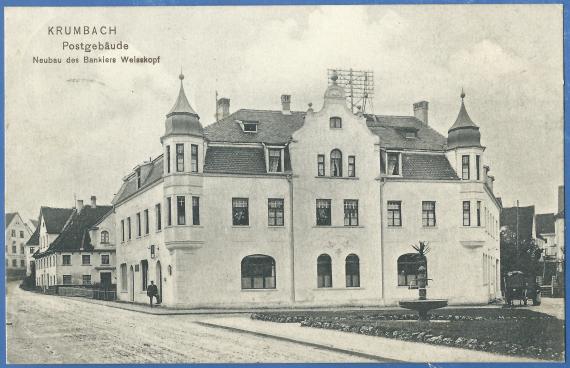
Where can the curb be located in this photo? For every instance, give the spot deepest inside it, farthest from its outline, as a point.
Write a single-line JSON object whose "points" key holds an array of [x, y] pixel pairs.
{"points": [[305, 343]]}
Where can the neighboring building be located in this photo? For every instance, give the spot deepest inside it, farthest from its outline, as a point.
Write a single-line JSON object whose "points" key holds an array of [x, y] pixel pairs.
{"points": [[74, 257], [32, 246], [519, 220], [316, 208], [16, 235]]}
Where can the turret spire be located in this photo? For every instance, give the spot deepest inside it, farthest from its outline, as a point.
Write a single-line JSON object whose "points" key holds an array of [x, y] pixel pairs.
{"points": [[464, 132], [181, 106]]}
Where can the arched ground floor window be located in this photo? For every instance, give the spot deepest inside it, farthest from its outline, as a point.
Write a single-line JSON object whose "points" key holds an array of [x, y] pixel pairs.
{"points": [[352, 268], [408, 265], [324, 271], [258, 272]]}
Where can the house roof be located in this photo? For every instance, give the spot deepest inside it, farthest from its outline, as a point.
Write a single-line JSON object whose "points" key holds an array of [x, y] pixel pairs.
{"points": [[234, 160], [129, 186], [55, 218], [34, 222], [427, 166], [75, 234], [35, 238], [9, 217], [274, 127], [525, 216], [545, 223]]}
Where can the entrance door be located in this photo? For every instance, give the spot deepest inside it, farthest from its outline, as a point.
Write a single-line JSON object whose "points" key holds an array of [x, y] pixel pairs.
{"points": [[105, 280], [131, 284], [159, 280]]}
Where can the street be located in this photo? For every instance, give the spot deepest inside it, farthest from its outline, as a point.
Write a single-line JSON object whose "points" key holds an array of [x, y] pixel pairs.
{"points": [[51, 329]]}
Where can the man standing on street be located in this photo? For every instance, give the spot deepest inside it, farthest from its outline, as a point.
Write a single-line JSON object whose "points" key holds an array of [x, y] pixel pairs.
{"points": [[152, 291]]}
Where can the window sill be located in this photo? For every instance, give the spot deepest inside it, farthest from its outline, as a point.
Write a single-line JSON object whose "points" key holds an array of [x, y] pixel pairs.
{"points": [[241, 226], [85, 264], [66, 265], [337, 289], [430, 228], [276, 226], [394, 227], [338, 177], [337, 227], [258, 290]]}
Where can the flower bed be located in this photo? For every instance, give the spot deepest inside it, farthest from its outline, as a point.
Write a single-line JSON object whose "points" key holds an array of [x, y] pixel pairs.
{"points": [[518, 332]]}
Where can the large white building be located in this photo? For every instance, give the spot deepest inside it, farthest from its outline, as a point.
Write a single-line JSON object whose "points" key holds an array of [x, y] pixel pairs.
{"points": [[16, 234], [316, 208]]}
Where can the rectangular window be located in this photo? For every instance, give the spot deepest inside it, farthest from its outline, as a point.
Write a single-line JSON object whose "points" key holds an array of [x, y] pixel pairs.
{"points": [[275, 211], [240, 211], [195, 210], [144, 274], [350, 212], [104, 259], [478, 166], [351, 166], [86, 279], [14, 263], [428, 213], [194, 158], [158, 217], [179, 157], [32, 250], [21, 234], [478, 213], [13, 233], [85, 259], [169, 213], [146, 224], [393, 163], [129, 227], [465, 167], [274, 160], [168, 159], [181, 209], [123, 230], [22, 249], [14, 249], [139, 230], [138, 178], [67, 279], [321, 165], [323, 212], [394, 213], [466, 213], [22, 263], [124, 279]]}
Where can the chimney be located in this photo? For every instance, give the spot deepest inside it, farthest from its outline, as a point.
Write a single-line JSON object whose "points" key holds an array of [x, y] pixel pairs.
{"points": [[421, 111], [93, 201], [79, 205], [560, 198], [490, 181], [223, 108], [286, 104]]}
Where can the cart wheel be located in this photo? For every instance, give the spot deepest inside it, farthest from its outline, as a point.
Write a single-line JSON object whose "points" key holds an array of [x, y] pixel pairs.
{"points": [[537, 299]]}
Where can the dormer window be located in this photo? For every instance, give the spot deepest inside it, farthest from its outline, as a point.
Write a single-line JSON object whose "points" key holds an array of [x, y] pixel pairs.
{"points": [[391, 163], [410, 134], [249, 126], [275, 160], [138, 178], [335, 122]]}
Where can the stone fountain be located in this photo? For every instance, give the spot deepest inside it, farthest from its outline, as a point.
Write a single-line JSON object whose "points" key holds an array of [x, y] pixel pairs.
{"points": [[422, 304]]}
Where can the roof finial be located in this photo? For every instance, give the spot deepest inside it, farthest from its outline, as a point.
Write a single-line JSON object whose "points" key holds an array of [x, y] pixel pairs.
{"points": [[462, 94], [334, 76], [181, 76]]}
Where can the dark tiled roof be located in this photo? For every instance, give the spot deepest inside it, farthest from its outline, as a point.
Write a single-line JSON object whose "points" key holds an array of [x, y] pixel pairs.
{"points": [[463, 119], [75, 234], [55, 218], [234, 160], [391, 130], [274, 127], [34, 222], [9, 217], [35, 238], [545, 223], [427, 166], [152, 174], [525, 220]]}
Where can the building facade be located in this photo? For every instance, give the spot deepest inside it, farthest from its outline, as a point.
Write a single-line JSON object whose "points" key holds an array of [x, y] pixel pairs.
{"points": [[16, 235], [316, 208], [77, 248]]}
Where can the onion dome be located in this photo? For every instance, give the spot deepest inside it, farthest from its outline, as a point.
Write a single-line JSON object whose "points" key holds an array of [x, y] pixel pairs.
{"points": [[182, 119], [464, 132]]}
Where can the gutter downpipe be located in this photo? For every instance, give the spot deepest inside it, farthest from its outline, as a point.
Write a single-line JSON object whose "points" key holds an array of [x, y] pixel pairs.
{"points": [[291, 239], [382, 273]]}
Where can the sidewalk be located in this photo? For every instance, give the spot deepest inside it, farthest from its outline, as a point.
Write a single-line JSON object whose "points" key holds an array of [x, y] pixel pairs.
{"points": [[160, 310], [372, 347]]}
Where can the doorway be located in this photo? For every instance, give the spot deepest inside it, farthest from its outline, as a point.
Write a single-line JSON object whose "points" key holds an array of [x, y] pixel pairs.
{"points": [[131, 284], [159, 280], [105, 280]]}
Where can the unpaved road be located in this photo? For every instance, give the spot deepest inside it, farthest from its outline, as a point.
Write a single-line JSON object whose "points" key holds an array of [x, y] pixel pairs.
{"points": [[50, 329]]}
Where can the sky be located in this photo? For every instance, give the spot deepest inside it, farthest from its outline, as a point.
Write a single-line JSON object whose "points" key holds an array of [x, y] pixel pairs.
{"points": [[75, 130]]}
